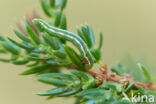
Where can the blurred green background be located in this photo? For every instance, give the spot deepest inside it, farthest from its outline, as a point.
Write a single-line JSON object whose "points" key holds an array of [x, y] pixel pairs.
{"points": [[129, 28]]}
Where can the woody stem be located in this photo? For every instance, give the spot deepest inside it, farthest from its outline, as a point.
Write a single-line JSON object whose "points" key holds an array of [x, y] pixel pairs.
{"points": [[111, 76]]}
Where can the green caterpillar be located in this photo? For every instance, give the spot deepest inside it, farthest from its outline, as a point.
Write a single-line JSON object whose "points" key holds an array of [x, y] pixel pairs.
{"points": [[69, 36]]}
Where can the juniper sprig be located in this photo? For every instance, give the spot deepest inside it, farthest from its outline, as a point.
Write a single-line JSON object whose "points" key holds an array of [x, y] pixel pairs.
{"points": [[44, 49]]}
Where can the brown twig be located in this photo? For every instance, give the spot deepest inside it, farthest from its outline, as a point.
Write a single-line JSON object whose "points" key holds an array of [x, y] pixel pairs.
{"points": [[29, 18], [111, 76]]}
